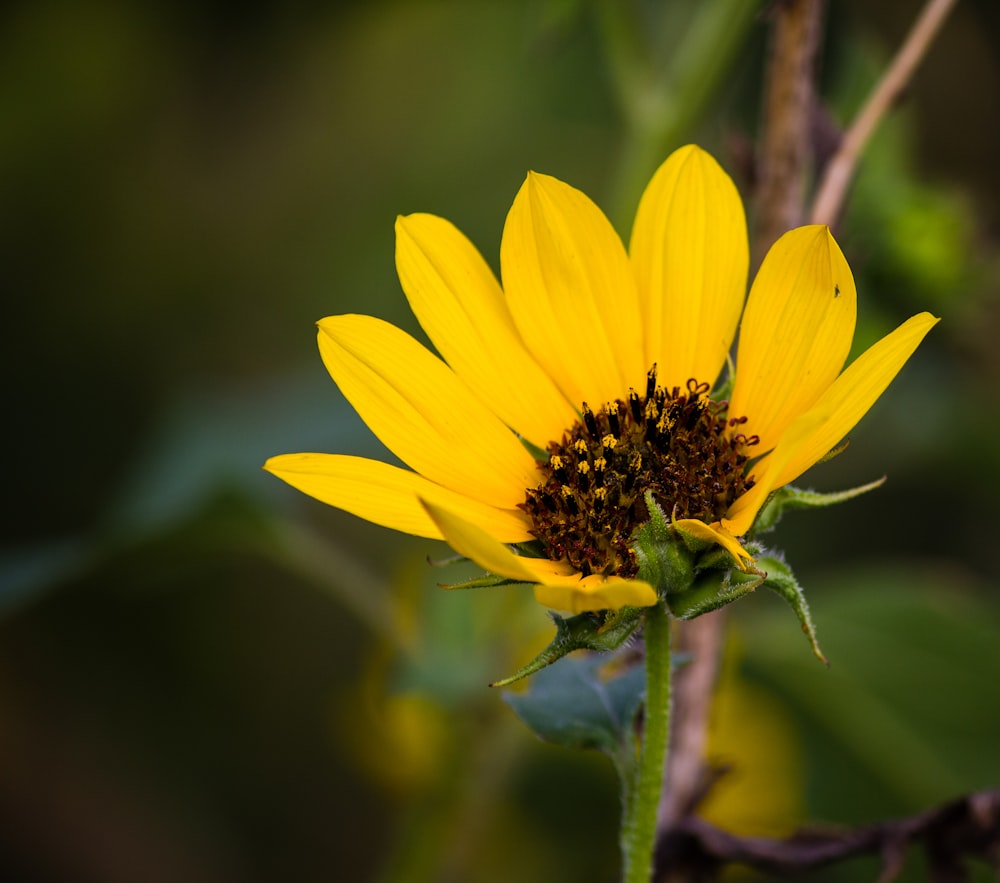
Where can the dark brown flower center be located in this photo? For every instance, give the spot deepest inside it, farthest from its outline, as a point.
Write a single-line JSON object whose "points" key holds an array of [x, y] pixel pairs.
{"points": [[678, 444]]}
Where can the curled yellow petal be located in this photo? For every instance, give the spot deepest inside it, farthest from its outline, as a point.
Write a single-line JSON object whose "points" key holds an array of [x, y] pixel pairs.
{"points": [[796, 332], [490, 553], [716, 533], [690, 255], [595, 593], [459, 303], [390, 496], [571, 292], [558, 585]]}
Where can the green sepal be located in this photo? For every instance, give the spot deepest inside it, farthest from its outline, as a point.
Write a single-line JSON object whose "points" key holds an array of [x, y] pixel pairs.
{"points": [[446, 562], [692, 574], [725, 388], [790, 497], [572, 705], [834, 452], [585, 631], [533, 449], [666, 561], [713, 589], [487, 580], [779, 579]]}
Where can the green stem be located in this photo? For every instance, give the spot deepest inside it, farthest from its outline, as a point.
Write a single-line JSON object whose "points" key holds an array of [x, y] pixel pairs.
{"points": [[643, 797]]}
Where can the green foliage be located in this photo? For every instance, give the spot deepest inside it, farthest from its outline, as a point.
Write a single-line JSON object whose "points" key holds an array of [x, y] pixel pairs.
{"points": [[911, 236], [194, 649], [903, 713], [574, 705]]}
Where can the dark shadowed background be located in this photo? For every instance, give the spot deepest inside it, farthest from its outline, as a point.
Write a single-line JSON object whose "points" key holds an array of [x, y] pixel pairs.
{"points": [[205, 676]]}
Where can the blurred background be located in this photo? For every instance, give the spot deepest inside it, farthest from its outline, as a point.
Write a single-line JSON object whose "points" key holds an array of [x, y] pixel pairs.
{"points": [[205, 676]]}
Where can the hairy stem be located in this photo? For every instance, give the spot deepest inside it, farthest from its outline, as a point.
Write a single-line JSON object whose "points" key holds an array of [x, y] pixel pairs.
{"points": [[639, 827]]}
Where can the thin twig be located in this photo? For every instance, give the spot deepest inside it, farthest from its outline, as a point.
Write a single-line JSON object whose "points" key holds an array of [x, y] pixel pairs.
{"points": [[837, 177]]}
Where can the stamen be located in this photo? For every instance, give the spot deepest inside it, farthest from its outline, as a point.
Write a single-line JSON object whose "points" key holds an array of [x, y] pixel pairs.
{"points": [[613, 424], [635, 405]]}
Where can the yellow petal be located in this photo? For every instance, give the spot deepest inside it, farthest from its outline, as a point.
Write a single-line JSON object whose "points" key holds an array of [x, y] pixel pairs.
{"points": [[690, 256], [715, 533], [478, 545], [596, 593], [423, 413], [767, 473], [390, 496], [852, 394], [571, 292], [812, 435], [459, 303], [796, 332]]}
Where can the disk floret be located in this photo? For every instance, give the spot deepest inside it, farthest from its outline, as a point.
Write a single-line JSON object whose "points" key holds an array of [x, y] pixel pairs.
{"points": [[678, 444]]}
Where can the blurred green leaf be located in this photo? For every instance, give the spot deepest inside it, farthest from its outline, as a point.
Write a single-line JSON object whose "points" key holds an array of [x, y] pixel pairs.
{"points": [[909, 237], [572, 705], [905, 712]]}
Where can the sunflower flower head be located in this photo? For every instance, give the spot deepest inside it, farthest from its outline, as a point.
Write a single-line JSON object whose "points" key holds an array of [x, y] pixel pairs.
{"points": [[572, 432], [677, 445]]}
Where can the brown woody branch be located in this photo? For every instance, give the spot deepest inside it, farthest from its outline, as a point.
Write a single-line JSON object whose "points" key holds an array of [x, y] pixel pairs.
{"points": [[695, 851], [789, 102]]}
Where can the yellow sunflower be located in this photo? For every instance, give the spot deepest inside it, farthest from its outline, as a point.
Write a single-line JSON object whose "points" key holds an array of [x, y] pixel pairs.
{"points": [[585, 382]]}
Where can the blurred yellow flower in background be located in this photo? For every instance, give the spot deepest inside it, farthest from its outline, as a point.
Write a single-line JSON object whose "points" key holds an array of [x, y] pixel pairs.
{"points": [[754, 739], [584, 382]]}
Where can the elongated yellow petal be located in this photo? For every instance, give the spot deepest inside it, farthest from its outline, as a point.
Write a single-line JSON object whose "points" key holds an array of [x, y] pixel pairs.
{"points": [[489, 553], [796, 332], [571, 292], [853, 393], [595, 593], [390, 496], [715, 533], [690, 256], [460, 305], [423, 413]]}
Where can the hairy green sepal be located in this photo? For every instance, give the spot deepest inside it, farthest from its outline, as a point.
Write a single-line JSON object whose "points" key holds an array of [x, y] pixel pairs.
{"points": [[603, 632], [790, 497]]}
